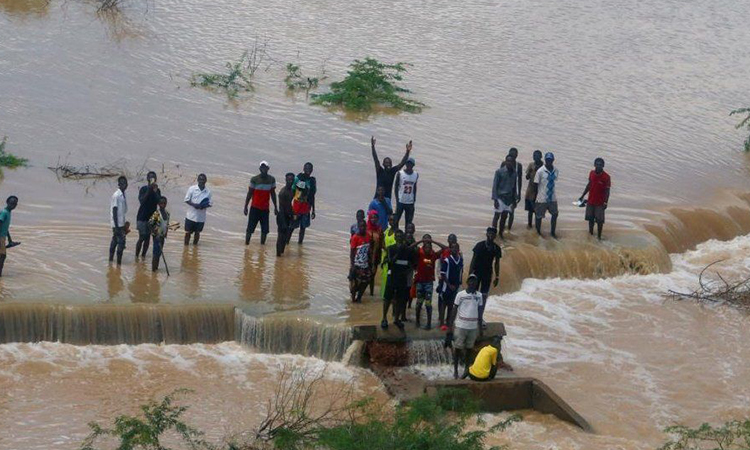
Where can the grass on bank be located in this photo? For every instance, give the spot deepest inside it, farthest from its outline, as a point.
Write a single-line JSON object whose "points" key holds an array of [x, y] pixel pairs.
{"points": [[9, 160], [743, 123], [370, 83]]}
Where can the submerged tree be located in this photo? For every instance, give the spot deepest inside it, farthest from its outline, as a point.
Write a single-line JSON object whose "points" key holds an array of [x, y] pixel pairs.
{"points": [[295, 80], [369, 83], [744, 123], [238, 77], [8, 159]]}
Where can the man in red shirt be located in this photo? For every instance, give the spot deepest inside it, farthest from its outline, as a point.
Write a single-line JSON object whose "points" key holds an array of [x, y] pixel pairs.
{"points": [[262, 189], [360, 262], [598, 190], [425, 277]]}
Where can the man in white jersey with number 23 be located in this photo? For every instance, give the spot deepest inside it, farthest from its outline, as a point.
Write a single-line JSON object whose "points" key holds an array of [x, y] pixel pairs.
{"points": [[406, 192]]}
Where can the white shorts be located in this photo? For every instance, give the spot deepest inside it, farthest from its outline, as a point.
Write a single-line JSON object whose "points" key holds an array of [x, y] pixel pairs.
{"points": [[502, 207]]}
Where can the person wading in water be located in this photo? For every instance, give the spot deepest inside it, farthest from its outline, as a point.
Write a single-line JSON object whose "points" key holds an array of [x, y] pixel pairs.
{"points": [[513, 153], [148, 197], [464, 324], [159, 226], [304, 188], [546, 198], [386, 173], [451, 277], [531, 188], [406, 192], [400, 260], [504, 189], [118, 210], [425, 278], [487, 256], [286, 215], [262, 189], [384, 212], [5, 239], [598, 189], [198, 199], [360, 259]]}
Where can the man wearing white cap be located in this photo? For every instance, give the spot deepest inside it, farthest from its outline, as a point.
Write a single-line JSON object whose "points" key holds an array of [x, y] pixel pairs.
{"points": [[546, 197], [262, 189]]}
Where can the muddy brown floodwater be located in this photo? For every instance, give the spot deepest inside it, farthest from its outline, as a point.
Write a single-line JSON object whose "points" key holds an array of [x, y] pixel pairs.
{"points": [[647, 86]]}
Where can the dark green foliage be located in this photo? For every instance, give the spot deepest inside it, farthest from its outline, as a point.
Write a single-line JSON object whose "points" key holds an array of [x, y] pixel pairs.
{"points": [[744, 123], [427, 423], [9, 160], [369, 83], [147, 431], [734, 435], [295, 80]]}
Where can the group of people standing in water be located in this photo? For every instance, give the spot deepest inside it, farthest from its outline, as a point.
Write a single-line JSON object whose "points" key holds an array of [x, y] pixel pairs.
{"points": [[294, 207], [409, 265]]}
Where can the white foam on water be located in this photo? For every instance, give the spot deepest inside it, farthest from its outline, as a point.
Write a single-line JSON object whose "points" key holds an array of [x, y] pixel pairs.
{"points": [[619, 350]]}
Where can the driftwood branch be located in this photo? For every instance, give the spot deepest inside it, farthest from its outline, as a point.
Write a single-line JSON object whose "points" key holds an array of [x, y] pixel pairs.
{"points": [[719, 291]]}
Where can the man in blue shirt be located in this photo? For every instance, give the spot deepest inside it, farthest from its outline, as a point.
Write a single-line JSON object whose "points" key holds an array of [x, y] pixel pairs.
{"points": [[382, 205], [5, 240]]}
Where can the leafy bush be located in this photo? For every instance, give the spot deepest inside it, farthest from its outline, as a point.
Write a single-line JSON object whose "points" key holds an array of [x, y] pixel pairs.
{"points": [[240, 72], [10, 160], [744, 122], [146, 432], [734, 435], [369, 83], [295, 80], [426, 423]]}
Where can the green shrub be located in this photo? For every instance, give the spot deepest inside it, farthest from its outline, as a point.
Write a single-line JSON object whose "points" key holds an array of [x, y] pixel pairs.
{"points": [[426, 423], [147, 431], [10, 160], [369, 83], [743, 123], [295, 80], [734, 435], [237, 79]]}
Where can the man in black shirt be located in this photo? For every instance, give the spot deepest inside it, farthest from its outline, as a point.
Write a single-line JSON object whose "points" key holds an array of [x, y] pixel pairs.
{"points": [[386, 173], [487, 256], [148, 196], [285, 216], [400, 261]]}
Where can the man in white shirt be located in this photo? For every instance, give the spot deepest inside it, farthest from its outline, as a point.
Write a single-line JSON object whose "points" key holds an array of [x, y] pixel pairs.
{"points": [[406, 192], [117, 212], [464, 323], [545, 181], [198, 199]]}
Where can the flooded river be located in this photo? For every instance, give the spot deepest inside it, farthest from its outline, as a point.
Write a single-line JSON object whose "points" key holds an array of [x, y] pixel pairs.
{"points": [[648, 86]]}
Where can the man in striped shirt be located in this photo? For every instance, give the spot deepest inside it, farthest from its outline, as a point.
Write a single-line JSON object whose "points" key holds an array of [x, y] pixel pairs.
{"points": [[262, 189]]}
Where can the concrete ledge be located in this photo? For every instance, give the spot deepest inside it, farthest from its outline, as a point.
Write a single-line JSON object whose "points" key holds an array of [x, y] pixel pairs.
{"points": [[412, 333], [514, 393]]}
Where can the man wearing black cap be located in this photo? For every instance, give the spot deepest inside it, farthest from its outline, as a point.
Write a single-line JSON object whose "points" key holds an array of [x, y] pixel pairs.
{"points": [[262, 188], [406, 192], [546, 198], [487, 256]]}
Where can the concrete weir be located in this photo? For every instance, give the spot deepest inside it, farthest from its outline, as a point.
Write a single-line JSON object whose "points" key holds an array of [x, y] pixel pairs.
{"points": [[382, 350]]}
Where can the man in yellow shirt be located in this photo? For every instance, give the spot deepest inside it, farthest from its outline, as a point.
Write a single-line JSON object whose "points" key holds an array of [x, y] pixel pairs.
{"points": [[485, 364]]}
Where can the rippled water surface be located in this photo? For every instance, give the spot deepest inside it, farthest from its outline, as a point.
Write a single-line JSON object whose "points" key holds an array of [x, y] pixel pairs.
{"points": [[646, 85]]}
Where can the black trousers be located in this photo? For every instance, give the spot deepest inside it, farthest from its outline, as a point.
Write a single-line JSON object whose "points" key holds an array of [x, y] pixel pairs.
{"points": [[407, 209]]}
